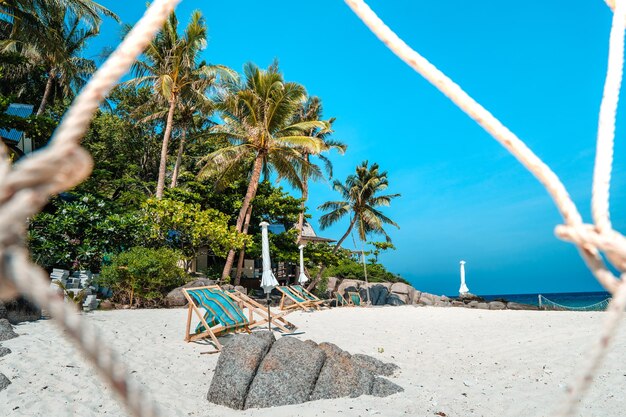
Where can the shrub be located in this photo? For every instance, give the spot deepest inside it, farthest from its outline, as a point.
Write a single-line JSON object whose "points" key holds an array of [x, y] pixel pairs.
{"points": [[143, 276]]}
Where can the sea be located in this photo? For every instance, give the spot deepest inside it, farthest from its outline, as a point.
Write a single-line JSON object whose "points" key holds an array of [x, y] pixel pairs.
{"points": [[568, 299]]}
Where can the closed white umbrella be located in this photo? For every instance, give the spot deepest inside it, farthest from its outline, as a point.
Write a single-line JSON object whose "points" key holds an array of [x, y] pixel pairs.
{"points": [[463, 289], [302, 278], [268, 280]]}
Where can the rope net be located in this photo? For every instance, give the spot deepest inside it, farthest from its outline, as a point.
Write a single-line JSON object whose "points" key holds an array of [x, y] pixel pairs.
{"points": [[26, 186], [547, 304]]}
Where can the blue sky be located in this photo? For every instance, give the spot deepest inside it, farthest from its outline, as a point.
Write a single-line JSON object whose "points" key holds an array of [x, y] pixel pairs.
{"points": [[538, 66]]}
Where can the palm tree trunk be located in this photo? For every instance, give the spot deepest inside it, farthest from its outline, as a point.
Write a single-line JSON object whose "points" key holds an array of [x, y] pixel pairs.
{"points": [[166, 140], [305, 197], [179, 159], [242, 252], [46, 94], [250, 193], [337, 246]]}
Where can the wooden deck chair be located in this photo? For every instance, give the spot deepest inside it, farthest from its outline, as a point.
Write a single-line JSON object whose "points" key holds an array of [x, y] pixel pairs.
{"points": [[299, 300], [307, 295], [341, 300], [254, 307], [355, 299], [221, 315]]}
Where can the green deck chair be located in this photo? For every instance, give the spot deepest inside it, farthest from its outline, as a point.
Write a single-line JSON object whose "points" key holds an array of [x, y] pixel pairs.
{"points": [[222, 315], [297, 298], [307, 294]]}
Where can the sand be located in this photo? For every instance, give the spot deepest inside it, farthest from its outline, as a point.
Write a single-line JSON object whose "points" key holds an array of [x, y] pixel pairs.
{"points": [[456, 361]]}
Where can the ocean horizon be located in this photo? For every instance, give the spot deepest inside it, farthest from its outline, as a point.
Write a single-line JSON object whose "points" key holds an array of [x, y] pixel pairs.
{"points": [[568, 299]]}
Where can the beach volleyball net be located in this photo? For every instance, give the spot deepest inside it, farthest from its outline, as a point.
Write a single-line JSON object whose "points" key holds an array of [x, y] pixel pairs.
{"points": [[547, 304], [26, 186]]}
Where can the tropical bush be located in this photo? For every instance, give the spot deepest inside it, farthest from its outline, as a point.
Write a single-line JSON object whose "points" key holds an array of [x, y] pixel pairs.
{"points": [[77, 234], [186, 227], [143, 276]]}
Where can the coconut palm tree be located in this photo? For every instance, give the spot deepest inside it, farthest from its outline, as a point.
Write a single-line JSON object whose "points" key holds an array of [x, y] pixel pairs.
{"points": [[361, 199], [312, 110], [63, 63], [170, 65], [261, 134], [29, 11], [51, 35]]}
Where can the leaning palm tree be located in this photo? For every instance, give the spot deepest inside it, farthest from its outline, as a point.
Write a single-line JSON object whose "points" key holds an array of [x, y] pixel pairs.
{"points": [[312, 110], [170, 65], [259, 133], [60, 54], [361, 199]]}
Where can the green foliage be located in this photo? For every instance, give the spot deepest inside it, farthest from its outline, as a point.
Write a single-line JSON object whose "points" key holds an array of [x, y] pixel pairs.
{"points": [[143, 276], [350, 266], [186, 227], [380, 247], [77, 234]]}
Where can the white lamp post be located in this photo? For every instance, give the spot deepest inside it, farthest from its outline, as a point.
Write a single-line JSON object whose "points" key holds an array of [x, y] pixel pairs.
{"points": [[302, 277], [268, 280], [463, 289]]}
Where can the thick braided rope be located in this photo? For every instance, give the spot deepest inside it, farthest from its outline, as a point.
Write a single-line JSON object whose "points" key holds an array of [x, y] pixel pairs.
{"points": [[606, 122], [615, 312], [26, 187], [586, 237]]}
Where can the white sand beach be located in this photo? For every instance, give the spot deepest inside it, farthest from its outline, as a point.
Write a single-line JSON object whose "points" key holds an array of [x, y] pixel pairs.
{"points": [[457, 361]]}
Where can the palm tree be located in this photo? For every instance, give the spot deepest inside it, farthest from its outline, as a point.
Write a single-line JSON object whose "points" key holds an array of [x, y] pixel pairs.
{"points": [[312, 110], [171, 66], [29, 11], [60, 54], [361, 199], [51, 34], [261, 134]]}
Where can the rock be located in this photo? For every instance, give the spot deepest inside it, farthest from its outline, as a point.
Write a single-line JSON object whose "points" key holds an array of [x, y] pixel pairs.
{"points": [[444, 298], [416, 296], [497, 305], [442, 303], [396, 299], [286, 375], [457, 303], [6, 330], [377, 366], [4, 382], [236, 368], [341, 376], [482, 306], [471, 297], [428, 299], [346, 284], [3, 311], [331, 285], [241, 289], [472, 304], [175, 298], [404, 289], [106, 305], [21, 310], [385, 388], [518, 306], [379, 294], [4, 351], [227, 287]]}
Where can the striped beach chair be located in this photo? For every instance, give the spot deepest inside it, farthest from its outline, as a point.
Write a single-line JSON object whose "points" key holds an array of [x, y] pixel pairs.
{"points": [[221, 315], [307, 295], [298, 300], [254, 307], [354, 299], [341, 300]]}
